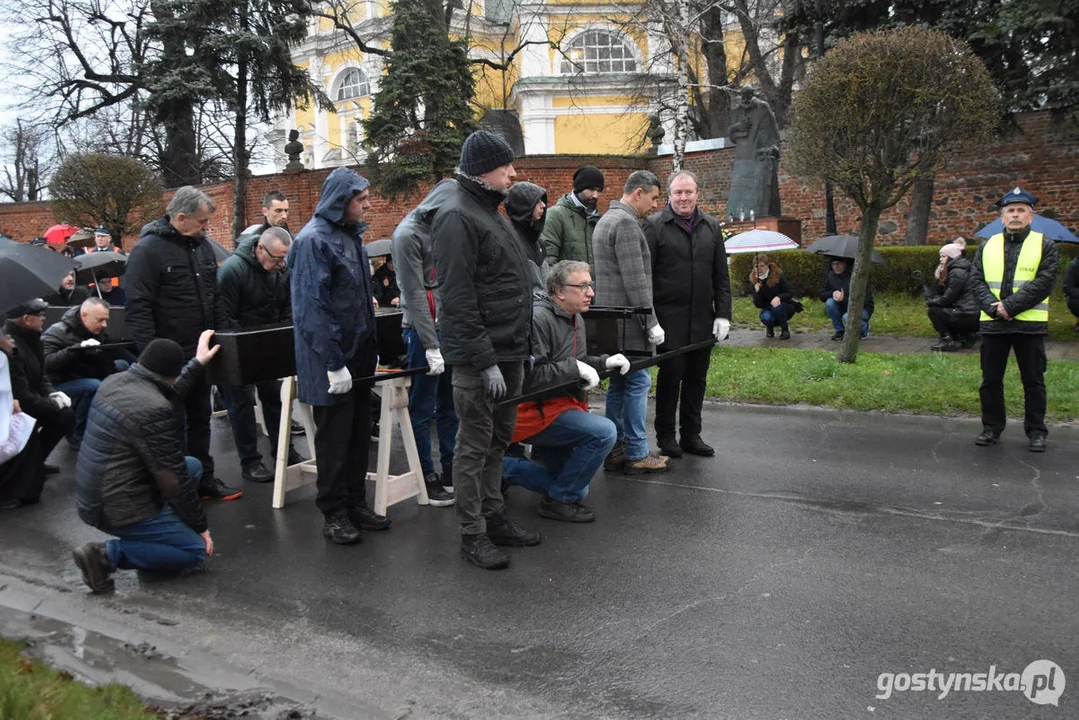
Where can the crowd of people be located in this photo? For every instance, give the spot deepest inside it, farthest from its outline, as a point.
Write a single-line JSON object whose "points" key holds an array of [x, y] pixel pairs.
{"points": [[493, 307]]}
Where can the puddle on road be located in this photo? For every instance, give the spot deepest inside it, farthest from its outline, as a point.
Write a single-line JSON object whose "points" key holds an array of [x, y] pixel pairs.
{"points": [[162, 680]]}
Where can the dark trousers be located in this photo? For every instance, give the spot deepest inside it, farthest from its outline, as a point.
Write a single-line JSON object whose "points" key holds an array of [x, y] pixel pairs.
{"points": [[342, 439], [682, 378], [197, 413], [1073, 307], [52, 428], [946, 322], [483, 433], [23, 476], [1030, 355], [240, 400]]}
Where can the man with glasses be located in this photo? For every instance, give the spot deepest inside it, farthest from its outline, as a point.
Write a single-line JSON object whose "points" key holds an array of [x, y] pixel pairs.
{"points": [[254, 287]]}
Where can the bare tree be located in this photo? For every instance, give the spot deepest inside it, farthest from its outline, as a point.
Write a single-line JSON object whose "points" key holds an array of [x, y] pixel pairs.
{"points": [[29, 161]]}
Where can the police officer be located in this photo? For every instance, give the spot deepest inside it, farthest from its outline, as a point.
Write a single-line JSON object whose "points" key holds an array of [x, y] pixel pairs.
{"points": [[1013, 275]]}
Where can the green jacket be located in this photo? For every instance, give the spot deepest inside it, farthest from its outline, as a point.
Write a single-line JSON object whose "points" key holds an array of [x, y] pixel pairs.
{"points": [[567, 233]]}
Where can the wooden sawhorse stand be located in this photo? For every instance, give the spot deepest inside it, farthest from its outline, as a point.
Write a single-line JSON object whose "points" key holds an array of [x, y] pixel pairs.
{"points": [[389, 489]]}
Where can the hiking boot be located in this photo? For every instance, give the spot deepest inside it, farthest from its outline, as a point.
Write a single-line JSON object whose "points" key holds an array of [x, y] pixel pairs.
{"points": [[503, 531], [785, 334], [214, 489], [296, 428], [668, 446], [95, 566], [987, 438], [695, 446], [256, 472], [616, 458], [651, 463], [338, 528], [838, 336], [1037, 443], [770, 331], [478, 550], [365, 518], [566, 512], [436, 496]]}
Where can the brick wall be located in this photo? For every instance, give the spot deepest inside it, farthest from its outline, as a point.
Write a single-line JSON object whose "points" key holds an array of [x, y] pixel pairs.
{"points": [[1043, 159]]}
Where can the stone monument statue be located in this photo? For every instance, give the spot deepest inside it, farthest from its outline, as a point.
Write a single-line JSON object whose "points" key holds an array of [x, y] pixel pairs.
{"points": [[293, 148], [655, 132], [755, 169]]}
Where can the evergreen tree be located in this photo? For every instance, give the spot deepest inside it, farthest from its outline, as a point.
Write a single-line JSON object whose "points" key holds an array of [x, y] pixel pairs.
{"points": [[422, 110]]}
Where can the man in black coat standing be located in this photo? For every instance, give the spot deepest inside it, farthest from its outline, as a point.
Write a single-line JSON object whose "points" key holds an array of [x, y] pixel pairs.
{"points": [[692, 296], [171, 283]]}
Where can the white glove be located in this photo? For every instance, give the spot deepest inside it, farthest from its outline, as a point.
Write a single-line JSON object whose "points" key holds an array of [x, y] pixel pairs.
{"points": [[588, 374], [60, 400], [90, 343], [340, 381], [435, 362], [721, 328], [618, 361], [656, 335]]}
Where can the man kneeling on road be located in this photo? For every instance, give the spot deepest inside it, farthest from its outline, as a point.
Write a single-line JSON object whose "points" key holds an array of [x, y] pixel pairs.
{"points": [[570, 442], [132, 479]]}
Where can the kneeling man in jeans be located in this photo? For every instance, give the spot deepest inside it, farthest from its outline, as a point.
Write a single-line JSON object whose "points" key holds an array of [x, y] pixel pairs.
{"points": [[132, 478], [569, 442]]}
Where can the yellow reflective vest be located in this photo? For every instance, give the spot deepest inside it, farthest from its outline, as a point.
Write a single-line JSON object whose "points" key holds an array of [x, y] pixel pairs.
{"points": [[1030, 257]]}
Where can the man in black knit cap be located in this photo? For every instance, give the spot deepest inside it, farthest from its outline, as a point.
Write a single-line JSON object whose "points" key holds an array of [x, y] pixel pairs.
{"points": [[132, 479], [484, 281], [567, 230]]}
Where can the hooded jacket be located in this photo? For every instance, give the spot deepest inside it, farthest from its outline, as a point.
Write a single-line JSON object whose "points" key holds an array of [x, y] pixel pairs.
{"points": [[250, 295], [485, 278], [568, 232], [414, 260], [1032, 293], [958, 292], [132, 458], [65, 361], [332, 308], [520, 202], [171, 285]]}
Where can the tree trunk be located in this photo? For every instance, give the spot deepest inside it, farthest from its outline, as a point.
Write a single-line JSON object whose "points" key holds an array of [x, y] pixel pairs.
{"points": [[716, 118], [239, 143], [681, 108], [180, 159], [921, 206], [848, 349]]}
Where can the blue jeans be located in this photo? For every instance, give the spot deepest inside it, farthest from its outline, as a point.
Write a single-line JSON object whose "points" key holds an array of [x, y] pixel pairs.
{"points": [[572, 449], [82, 393], [775, 316], [431, 398], [163, 542], [837, 313], [627, 408]]}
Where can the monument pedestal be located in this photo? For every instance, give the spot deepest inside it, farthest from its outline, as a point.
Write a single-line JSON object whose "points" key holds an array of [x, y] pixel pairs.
{"points": [[789, 226]]}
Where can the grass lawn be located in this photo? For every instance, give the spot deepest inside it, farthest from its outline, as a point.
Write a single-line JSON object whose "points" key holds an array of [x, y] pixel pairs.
{"points": [[30, 690], [932, 383], [896, 314]]}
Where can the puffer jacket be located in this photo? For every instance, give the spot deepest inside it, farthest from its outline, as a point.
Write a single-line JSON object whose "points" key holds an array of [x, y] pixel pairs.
{"points": [[171, 284], [132, 458], [333, 311], [957, 295], [520, 202], [1031, 294], [484, 279], [691, 284], [64, 361], [568, 232], [251, 296]]}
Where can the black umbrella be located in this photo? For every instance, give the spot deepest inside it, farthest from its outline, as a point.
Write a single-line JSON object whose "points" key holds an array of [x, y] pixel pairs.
{"points": [[843, 246], [28, 272], [91, 267], [220, 253]]}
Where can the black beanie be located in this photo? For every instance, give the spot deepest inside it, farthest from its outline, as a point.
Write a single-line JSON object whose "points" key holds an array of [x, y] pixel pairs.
{"points": [[586, 177], [164, 357], [483, 152]]}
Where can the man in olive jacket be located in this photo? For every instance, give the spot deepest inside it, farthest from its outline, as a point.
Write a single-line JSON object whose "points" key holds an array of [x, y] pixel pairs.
{"points": [[132, 479], [568, 228]]}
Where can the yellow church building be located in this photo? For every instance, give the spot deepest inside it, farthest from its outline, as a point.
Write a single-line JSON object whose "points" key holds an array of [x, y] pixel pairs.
{"points": [[576, 77]]}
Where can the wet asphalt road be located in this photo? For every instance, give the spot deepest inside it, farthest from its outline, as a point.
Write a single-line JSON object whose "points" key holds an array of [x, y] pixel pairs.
{"points": [[818, 550]]}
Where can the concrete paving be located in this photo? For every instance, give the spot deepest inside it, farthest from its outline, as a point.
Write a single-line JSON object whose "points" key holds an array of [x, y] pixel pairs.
{"points": [[780, 579]]}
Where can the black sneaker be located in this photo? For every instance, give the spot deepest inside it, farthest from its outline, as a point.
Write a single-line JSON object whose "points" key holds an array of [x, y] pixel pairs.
{"points": [[447, 479], [257, 472], [296, 428], [365, 518], [1036, 444], [376, 432], [987, 438], [95, 566], [616, 458], [668, 446], [504, 531], [838, 336], [566, 512], [478, 550], [214, 489], [294, 457], [436, 496], [339, 529], [695, 446]]}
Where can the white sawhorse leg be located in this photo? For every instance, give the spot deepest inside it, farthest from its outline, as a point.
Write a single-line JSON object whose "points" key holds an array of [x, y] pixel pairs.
{"points": [[392, 489], [289, 477]]}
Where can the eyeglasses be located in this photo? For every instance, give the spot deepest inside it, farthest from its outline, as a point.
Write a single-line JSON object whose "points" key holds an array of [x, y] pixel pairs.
{"points": [[584, 286], [278, 258]]}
